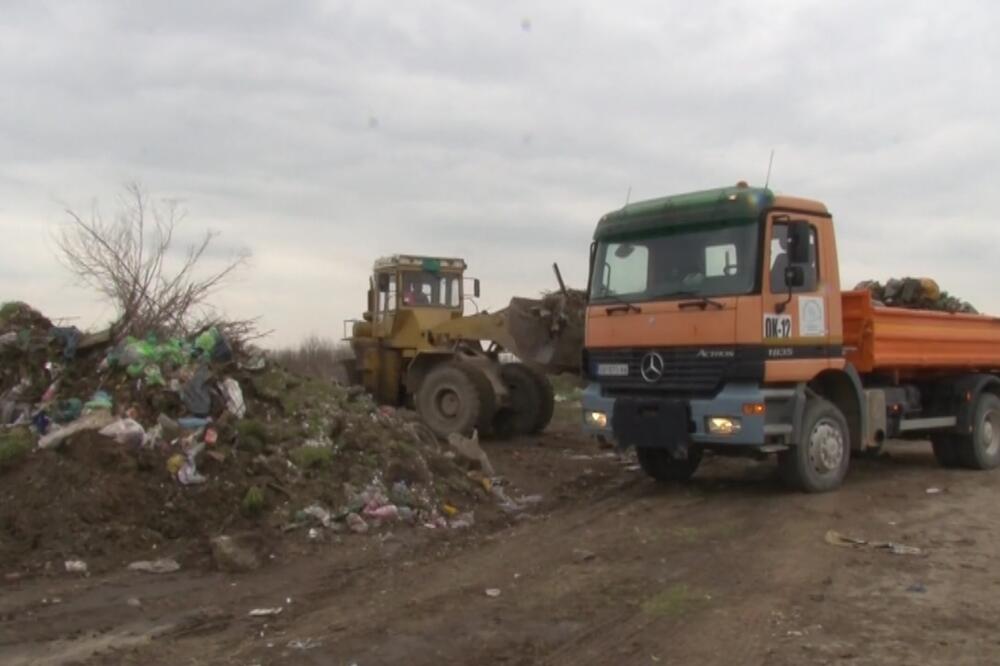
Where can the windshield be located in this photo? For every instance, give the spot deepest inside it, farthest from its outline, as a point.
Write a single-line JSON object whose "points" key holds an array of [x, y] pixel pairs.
{"points": [[717, 259], [427, 288]]}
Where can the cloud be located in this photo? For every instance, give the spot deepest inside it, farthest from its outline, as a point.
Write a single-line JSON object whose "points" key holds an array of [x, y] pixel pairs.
{"points": [[324, 134]]}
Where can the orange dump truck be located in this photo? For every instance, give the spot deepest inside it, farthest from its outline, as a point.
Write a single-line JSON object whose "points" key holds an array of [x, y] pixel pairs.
{"points": [[716, 321]]}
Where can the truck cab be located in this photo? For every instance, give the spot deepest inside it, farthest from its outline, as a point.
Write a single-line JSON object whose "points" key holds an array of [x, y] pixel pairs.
{"points": [[708, 315]]}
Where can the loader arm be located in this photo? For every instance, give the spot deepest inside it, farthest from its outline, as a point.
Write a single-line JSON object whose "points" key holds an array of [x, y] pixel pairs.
{"points": [[539, 332]]}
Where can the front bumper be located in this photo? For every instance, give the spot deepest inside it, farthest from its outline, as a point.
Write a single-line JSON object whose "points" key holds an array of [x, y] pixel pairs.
{"points": [[774, 426]]}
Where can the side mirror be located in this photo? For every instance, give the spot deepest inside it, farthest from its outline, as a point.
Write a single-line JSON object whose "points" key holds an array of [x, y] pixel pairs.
{"points": [[371, 302], [798, 242], [475, 287], [383, 282], [795, 276]]}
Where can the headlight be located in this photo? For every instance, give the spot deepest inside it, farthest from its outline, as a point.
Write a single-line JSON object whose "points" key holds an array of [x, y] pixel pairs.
{"points": [[596, 419], [722, 425]]}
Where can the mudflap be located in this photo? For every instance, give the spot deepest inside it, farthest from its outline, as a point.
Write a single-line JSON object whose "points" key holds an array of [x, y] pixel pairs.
{"points": [[655, 424]]}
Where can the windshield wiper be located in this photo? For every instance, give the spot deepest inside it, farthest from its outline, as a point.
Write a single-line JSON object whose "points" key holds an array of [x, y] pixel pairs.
{"points": [[702, 301], [624, 306]]}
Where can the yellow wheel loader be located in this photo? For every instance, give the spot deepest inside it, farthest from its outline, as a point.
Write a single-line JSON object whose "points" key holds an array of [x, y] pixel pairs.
{"points": [[415, 346]]}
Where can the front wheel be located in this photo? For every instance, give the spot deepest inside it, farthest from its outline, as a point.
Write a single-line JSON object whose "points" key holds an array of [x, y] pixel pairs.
{"points": [[819, 462], [664, 467], [452, 399]]}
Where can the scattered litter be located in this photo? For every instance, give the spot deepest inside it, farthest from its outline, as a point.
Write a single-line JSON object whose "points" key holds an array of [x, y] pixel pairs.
{"points": [[356, 523], [469, 449], [94, 421], [160, 566], [125, 431], [493, 592], [304, 644], [319, 513], [837, 539], [76, 566], [583, 555], [933, 491], [917, 588], [266, 612], [233, 394]]}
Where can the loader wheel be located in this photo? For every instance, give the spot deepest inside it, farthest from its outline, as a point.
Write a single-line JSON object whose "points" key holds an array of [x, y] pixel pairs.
{"points": [[662, 466], [449, 400], [819, 462], [487, 398], [521, 416], [547, 403], [981, 449], [946, 450]]}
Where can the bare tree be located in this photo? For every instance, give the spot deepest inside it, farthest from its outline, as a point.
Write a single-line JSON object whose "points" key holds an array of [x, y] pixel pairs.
{"points": [[128, 260]]}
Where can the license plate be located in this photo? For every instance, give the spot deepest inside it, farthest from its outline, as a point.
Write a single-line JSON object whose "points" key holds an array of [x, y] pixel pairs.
{"points": [[612, 369]]}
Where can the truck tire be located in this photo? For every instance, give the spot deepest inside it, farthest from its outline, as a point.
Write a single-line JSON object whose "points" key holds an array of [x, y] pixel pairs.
{"points": [[946, 450], [981, 448], [662, 466], [450, 400], [521, 416], [819, 462], [547, 403]]}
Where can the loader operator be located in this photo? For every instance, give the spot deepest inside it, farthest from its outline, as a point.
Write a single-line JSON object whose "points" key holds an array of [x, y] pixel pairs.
{"points": [[413, 289]]}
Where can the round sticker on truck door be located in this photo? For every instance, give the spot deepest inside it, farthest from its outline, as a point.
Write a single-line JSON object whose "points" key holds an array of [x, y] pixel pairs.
{"points": [[777, 326]]}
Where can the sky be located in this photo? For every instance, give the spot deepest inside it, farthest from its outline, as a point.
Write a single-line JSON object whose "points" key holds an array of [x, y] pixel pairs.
{"points": [[321, 135]]}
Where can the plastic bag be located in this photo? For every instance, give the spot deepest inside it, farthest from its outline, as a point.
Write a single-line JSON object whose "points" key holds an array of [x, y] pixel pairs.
{"points": [[125, 431], [235, 404]]}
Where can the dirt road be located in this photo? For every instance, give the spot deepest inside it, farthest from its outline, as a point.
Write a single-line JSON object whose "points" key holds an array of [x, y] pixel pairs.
{"points": [[609, 569]]}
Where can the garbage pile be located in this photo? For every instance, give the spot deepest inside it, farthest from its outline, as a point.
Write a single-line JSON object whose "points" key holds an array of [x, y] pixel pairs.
{"points": [[914, 293], [112, 450]]}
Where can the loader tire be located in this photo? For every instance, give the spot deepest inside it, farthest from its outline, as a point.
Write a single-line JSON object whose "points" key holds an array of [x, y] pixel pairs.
{"points": [[547, 403], [523, 412], [819, 462], [450, 400], [981, 448], [487, 398]]}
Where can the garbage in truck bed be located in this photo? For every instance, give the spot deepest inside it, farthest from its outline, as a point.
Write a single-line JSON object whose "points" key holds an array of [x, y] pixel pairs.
{"points": [[914, 293]]}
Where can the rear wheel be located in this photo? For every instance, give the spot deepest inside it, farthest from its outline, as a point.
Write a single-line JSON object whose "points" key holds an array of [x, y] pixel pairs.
{"points": [[664, 467], [819, 462], [981, 449], [522, 413], [450, 399]]}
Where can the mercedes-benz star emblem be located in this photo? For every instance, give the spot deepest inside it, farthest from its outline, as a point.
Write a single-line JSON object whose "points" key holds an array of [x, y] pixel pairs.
{"points": [[651, 367]]}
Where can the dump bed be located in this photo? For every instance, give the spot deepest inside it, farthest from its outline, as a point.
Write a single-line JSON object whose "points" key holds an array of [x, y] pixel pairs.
{"points": [[890, 338]]}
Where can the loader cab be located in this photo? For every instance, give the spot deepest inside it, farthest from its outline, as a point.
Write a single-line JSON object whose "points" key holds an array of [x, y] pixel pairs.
{"points": [[413, 293]]}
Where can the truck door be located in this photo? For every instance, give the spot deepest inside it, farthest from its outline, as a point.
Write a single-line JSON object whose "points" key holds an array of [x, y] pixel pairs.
{"points": [[796, 316]]}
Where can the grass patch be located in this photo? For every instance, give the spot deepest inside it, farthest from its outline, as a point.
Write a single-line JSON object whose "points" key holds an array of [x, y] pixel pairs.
{"points": [[252, 435], [14, 445], [311, 457], [687, 534], [675, 601], [253, 502]]}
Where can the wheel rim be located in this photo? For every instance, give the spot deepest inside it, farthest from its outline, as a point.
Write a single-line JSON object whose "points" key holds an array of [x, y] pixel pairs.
{"points": [[448, 403], [826, 446], [990, 436]]}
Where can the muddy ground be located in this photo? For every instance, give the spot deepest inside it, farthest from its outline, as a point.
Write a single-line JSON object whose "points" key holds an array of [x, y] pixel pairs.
{"points": [[610, 569]]}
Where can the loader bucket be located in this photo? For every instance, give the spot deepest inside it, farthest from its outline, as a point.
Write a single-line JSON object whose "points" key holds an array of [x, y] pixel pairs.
{"points": [[548, 331]]}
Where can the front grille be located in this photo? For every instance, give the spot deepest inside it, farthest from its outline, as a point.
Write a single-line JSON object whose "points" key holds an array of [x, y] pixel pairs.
{"points": [[685, 370]]}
